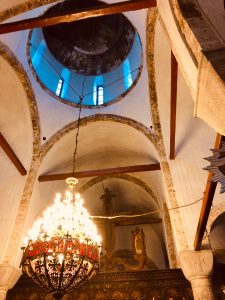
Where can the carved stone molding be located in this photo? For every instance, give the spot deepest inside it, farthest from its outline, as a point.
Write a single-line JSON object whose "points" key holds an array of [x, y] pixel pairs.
{"points": [[14, 240], [144, 285], [214, 214], [22, 7], [127, 177], [197, 267], [150, 135], [176, 220], [8, 277]]}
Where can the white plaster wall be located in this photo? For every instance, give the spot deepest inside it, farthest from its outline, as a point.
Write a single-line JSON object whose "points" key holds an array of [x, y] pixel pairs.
{"points": [[109, 143], [15, 125], [194, 138]]}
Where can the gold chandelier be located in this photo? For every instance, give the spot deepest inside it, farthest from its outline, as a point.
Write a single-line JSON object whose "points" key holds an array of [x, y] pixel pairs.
{"points": [[62, 249]]}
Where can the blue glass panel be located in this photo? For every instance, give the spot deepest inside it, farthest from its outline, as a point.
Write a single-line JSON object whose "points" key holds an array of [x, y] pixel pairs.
{"points": [[127, 74], [98, 81], [74, 85]]}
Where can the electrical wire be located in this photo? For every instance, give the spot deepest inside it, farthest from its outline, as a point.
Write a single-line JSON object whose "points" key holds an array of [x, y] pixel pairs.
{"points": [[147, 213], [112, 82], [103, 186], [78, 127], [76, 137], [53, 67], [88, 94]]}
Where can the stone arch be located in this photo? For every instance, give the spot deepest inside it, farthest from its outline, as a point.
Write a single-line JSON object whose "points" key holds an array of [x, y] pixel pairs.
{"points": [[127, 177], [14, 240], [95, 118], [179, 236], [22, 7], [10, 57], [214, 214]]}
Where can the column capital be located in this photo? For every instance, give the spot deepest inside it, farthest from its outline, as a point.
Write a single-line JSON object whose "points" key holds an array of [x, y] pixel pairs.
{"points": [[8, 277], [196, 264], [197, 267]]}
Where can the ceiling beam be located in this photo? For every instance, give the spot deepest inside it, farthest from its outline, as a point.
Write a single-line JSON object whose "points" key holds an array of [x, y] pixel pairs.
{"points": [[79, 14], [173, 104], [101, 172], [206, 203], [11, 155]]}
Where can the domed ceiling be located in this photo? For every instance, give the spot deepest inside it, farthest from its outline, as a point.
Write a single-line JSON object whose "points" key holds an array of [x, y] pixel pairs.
{"points": [[92, 46], [98, 60]]}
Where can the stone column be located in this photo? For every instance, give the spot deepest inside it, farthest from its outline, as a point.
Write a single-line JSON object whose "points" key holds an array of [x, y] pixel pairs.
{"points": [[8, 277], [197, 267]]}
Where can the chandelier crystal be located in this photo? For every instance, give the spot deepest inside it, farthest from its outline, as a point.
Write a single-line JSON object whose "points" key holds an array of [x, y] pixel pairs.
{"points": [[62, 249]]}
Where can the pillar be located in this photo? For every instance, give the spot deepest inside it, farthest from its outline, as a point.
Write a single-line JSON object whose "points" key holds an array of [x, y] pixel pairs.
{"points": [[8, 277], [197, 267]]}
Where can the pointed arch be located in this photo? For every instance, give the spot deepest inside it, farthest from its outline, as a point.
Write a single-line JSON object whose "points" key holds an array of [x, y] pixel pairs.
{"points": [[96, 118], [126, 177]]}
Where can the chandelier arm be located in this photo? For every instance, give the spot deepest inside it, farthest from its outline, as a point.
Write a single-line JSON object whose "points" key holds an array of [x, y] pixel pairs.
{"points": [[47, 274], [61, 274], [82, 281], [36, 278], [86, 276], [75, 275]]}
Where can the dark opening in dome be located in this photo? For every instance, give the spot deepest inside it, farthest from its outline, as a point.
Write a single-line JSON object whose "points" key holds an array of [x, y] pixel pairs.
{"points": [[91, 46], [98, 60]]}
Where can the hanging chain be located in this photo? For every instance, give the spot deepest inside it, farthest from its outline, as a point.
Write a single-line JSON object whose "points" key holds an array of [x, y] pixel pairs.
{"points": [[79, 115], [103, 186], [78, 127]]}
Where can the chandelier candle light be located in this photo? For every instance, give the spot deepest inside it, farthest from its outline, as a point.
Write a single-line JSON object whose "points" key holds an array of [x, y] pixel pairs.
{"points": [[62, 250]]}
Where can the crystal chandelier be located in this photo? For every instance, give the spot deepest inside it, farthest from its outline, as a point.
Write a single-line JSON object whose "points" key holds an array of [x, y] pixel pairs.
{"points": [[62, 250]]}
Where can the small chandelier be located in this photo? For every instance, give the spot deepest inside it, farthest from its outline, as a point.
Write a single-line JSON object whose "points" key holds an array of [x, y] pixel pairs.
{"points": [[62, 250]]}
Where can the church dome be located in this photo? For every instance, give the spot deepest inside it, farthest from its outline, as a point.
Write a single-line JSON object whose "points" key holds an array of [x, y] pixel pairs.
{"points": [[98, 59]]}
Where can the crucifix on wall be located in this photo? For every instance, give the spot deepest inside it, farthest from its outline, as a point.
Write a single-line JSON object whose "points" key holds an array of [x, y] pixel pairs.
{"points": [[107, 227]]}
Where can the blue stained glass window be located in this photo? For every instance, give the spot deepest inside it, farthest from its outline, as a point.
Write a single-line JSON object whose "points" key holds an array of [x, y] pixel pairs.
{"points": [[100, 95], [127, 74], [68, 84], [98, 82], [59, 87]]}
